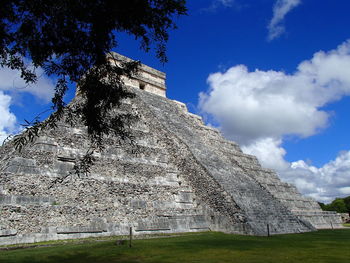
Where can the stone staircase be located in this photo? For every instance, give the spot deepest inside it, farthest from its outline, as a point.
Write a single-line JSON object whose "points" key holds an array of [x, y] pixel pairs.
{"points": [[306, 209], [228, 166]]}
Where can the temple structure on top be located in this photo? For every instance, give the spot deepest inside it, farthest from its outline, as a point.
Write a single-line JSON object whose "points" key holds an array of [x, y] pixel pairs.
{"points": [[147, 78]]}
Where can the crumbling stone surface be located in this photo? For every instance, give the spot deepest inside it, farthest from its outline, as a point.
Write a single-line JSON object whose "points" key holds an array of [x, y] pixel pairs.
{"points": [[177, 176]]}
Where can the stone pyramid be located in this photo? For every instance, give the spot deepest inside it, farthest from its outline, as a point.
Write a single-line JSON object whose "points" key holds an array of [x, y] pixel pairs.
{"points": [[184, 177]]}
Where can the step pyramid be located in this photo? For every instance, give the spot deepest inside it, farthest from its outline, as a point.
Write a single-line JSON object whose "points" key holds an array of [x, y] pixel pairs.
{"points": [[184, 177]]}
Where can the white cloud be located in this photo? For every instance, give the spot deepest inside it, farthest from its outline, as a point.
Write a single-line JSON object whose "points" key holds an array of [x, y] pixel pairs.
{"points": [[259, 108], [12, 83], [345, 190], [324, 184], [269, 152], [215, 4], [280, 10], [10, 80], [273, 101], [7, 119], [226, 3]]}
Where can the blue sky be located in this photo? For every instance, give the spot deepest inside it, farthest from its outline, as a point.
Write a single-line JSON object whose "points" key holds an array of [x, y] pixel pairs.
{"points": [[273, 75]]}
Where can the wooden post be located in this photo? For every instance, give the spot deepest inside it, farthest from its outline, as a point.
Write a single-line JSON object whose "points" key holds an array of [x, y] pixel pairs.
{"points": [[130, 236], [332, 225], [268, 230]]}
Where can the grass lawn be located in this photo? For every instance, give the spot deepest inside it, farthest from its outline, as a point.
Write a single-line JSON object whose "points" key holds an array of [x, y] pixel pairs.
{"points": [[346, 225], [322, 246]]}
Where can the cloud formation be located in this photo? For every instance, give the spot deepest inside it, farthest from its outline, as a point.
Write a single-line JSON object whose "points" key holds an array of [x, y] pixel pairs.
{"points": [[11, 81], [7, 119], [280, 10], [226, 3], [324, 184], [215, 4], [259, 108]]}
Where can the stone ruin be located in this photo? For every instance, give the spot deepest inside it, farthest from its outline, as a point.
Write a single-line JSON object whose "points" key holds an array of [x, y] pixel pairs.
{"points": [[147, 78], [184, 177]]}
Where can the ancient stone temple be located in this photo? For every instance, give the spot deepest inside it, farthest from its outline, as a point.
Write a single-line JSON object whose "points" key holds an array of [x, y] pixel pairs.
{"points": [[184, 177]]}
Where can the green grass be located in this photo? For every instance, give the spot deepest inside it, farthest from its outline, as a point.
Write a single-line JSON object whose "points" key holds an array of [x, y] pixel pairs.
{"points": [[322, 246], [346, 225]]}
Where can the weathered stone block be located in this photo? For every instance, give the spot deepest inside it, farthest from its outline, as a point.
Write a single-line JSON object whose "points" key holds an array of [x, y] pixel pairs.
{"points": [[8, 232]]}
